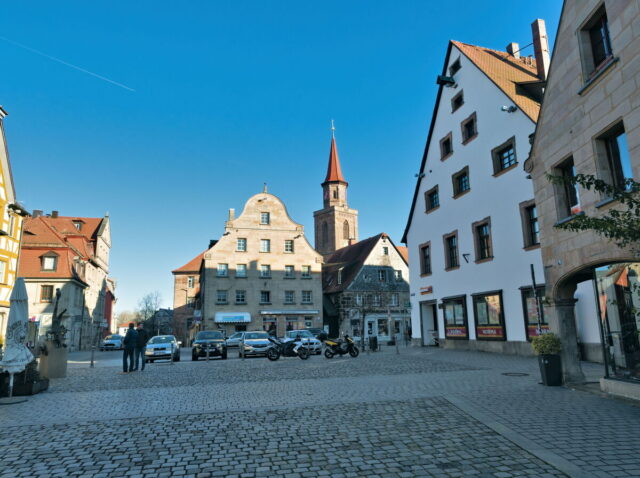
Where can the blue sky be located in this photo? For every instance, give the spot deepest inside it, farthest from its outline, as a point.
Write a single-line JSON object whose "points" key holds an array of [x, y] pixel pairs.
{"points": [[228, 95]]}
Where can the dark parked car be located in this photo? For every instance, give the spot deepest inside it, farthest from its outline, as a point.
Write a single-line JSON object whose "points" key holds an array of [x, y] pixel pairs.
{"points": [[209, 341], [319, 334]]}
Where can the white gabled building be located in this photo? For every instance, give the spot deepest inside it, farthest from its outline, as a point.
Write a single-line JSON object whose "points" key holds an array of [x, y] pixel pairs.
{"points": [[472, 232]]}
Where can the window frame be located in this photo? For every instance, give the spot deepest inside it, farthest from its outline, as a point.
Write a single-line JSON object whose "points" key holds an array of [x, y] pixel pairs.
{"points": [[527, 238], [292, 269], [564, 192], [531, 329], [48, 287], [455, 67], [265, 218], [49, 255], [425, 266], [267, 294], [265, 271], [455, 181], [429, 206], [224, 293], [292, 294], [310, 297], [305, 272], [591, 69], [609, 160], [244, 276], [243, 293], [447, 253], [475, 299], [444, 155], [382, 275], [4, 271], [496, 159], [477, 245], [225, 270], [191, 282], [455, 106], [289, 247], [244, 242], [463, 127], [265, 246]]}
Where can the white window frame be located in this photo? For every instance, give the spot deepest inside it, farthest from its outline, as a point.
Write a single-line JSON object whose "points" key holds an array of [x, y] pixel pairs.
{"points": [[265, 245], [238, 274], [222, 270], [265, 218]]}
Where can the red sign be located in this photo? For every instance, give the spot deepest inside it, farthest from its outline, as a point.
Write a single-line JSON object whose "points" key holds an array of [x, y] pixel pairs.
{"points": [[533, 330], [426, 290], [456, 331], [490, 331]]}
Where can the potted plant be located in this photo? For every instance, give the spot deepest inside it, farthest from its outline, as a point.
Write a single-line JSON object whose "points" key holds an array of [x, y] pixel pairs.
{"points": [[547, 347], [27, 382]]}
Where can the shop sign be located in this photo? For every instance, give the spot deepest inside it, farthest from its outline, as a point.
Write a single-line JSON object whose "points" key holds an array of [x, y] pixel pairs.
{"points": [[453, 331], [490, 332], [426, 290], [533, 330], [232, 317]]}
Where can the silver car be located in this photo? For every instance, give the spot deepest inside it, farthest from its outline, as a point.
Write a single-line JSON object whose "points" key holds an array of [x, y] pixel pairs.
{"points": [[254, 344], [234, 340], [161, 347], [112, 342], [304, 337]]}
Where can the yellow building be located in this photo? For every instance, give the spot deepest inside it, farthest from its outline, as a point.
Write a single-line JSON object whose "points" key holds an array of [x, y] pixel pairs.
{"points": [[10, 229]]}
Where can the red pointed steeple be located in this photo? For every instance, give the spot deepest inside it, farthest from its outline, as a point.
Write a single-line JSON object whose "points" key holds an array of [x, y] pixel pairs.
{"points": [[334, 172]]}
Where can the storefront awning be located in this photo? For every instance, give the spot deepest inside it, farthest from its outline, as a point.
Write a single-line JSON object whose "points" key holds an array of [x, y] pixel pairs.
{"points": [[232, 317]]}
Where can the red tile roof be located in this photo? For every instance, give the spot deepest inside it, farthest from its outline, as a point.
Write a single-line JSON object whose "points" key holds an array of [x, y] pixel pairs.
{"points": [[506, 72], [404, 252], [192, 266], [334, 171]]}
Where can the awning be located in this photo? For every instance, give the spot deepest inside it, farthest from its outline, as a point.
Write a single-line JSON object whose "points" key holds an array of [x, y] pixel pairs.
{"points": [[232, 317]]}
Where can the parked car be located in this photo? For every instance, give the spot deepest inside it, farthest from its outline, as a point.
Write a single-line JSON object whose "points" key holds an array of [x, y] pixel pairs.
{"points": [[234, 340], [112, 342], [160, 347], [318, 333], [254, 343], [306, 338], [211, 342]]}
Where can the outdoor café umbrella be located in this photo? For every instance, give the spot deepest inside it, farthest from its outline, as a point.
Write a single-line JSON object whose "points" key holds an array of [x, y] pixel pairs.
{"points": [[16, 354]]}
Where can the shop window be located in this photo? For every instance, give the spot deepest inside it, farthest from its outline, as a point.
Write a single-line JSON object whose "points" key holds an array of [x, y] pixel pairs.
{"points": [[451, 257], [308, 322], [461, 182], [455, 318], [383, 327], [482, 240], [446, 146], [457, 101], [469, 128], [432, 199], [568, 199], [504, 156], [614, 163], [595, 44], [425, 259], [489, 316], [534, 319]]}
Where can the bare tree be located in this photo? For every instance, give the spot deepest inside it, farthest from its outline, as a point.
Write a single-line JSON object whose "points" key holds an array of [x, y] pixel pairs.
{"points": [[148, 305]]}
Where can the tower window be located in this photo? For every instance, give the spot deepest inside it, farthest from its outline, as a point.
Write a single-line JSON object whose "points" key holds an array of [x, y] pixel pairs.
{"points": [[345, 230], [335, 193], [325, 233]]}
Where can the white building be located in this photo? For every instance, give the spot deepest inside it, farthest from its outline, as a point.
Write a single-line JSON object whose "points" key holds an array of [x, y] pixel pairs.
{"points": [[472, 232]]}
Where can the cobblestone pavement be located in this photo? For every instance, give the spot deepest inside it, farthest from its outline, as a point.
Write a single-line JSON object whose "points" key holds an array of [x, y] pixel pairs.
{"points": [[425, 412]]}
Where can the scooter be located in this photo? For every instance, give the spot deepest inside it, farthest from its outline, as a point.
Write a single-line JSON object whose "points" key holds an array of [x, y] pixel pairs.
{"points": [[287, 349], [340, 347]]}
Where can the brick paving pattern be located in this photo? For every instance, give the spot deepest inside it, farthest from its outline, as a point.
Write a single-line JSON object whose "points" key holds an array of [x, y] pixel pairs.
{"points": [[378, 415]]}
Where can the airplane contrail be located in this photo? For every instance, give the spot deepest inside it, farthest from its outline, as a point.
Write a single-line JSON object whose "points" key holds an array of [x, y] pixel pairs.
{"points": [[70, 65]]}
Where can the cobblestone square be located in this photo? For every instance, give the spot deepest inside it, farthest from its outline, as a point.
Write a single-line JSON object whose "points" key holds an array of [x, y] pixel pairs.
{"points": [[422, 413]]}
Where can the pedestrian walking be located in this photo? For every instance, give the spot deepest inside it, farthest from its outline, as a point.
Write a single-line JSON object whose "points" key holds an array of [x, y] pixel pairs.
{"points": [[141, 343], [130, 340]]}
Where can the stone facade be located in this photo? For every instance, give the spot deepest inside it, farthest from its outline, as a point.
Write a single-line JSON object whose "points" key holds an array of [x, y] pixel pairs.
{"points": [[592, 95], [262, 271], [186, 298]]}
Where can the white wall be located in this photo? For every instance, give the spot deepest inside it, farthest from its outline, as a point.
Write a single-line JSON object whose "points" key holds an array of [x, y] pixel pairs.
{"points": [[497, 197]]}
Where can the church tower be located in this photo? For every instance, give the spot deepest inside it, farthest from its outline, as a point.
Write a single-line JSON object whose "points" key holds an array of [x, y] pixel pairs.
{"points": [[336, 225]]}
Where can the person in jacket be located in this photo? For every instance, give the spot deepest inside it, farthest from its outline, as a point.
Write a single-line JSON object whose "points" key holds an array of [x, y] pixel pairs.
{"points": [[130, 340], [141, 343]]}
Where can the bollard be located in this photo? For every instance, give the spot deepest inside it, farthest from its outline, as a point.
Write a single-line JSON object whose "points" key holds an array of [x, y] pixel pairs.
{"points": [[171, 353]]}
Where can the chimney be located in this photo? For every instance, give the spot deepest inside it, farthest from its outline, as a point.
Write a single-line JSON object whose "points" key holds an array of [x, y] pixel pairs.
{"points": [[54, 214], [541, 48], [37, 213], [513, 49], [232, 214]]}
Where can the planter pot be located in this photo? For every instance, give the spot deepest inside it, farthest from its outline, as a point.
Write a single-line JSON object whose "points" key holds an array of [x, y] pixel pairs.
{"points": [[21, 389], [550, 370]]}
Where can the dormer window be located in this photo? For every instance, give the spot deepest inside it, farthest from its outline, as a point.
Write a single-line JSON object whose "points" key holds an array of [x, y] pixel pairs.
{"points": [[77, 225], [50, 262]]}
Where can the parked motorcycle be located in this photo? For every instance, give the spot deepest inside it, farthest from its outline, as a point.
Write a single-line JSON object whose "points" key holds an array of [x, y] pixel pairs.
{"points": [[287, 349], [340, 347]]}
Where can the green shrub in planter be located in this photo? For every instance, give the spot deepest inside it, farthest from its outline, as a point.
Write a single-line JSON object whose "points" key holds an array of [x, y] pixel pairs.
{"points": [[548, 347], [546, 344]]}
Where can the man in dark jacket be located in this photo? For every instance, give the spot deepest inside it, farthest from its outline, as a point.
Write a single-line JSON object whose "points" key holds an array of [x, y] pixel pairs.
{"points": [[130, 340], [141, 343]]}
